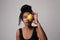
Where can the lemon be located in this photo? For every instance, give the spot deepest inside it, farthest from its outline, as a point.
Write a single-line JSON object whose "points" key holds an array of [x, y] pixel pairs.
{"points": [[30, 17]]}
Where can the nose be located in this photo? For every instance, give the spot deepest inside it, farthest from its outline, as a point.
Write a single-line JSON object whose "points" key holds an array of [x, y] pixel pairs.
{"points": [[27, 20]]}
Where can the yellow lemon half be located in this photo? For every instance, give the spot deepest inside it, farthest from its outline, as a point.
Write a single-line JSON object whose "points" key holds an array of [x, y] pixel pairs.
{"points": [[30, 17]]}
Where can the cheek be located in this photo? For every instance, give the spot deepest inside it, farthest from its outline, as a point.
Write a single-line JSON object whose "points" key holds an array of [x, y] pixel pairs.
{"points": [[24, 20]]}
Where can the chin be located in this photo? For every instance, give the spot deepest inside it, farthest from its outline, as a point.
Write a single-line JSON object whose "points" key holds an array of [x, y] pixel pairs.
{"points": [[27, 24]]}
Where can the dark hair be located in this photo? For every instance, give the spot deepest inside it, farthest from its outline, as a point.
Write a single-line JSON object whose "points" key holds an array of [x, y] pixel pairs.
{"points": [[24, 8]]}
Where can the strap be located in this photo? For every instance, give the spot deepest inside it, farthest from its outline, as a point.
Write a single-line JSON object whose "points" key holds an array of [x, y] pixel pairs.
{"points": [[35, 31], [34, 36], [35, 28], [20, 31]]}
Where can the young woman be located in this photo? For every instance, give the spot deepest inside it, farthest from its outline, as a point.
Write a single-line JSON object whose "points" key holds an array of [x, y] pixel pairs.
{"points": [[29, 32]]}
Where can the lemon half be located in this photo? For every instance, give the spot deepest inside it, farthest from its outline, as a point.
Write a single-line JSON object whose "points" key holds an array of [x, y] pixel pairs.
{"points": [[30, 17]]}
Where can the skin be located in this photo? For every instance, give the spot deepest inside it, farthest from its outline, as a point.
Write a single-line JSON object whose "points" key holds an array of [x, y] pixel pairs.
{"points": [[27, 30]]}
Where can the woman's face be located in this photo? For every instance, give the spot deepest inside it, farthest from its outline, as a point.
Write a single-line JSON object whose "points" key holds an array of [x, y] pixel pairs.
{"points": [[25, 20]]}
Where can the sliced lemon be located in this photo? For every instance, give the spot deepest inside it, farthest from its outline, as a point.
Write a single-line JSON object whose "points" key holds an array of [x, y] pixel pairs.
{"points": [[30, 17]]}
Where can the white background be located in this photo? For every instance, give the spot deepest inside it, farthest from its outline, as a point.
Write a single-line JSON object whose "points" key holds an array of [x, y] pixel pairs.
{"points": [[48, 15]]}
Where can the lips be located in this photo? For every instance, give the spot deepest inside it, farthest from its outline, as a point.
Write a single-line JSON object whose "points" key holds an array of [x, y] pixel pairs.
{"points": [[28, 22]]}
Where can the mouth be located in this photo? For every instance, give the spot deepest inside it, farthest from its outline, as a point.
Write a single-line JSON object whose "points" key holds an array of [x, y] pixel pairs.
{"points": [[28, 22]]}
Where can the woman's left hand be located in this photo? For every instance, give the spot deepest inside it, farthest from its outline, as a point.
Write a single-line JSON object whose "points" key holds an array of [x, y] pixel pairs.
{"points": [[35, 21], [40, 31]]}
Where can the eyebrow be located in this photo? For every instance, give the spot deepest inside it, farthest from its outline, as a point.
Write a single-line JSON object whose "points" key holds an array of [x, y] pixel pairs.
{"points": [[24, 16]]}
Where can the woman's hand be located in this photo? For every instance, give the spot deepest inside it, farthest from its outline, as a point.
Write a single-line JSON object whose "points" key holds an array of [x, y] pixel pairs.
{"points": [[40, 31], [35, 15]]}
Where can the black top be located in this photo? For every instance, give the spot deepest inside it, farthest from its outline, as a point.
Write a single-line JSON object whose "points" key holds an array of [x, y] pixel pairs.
{"points": [[34, 36]]}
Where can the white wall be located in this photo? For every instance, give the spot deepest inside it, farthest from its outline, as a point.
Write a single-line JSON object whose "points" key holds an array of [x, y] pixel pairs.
{"points": [[49, 17]]}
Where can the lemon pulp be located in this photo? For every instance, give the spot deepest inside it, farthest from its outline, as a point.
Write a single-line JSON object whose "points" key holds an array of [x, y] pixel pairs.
{"points": [[30, 17]]}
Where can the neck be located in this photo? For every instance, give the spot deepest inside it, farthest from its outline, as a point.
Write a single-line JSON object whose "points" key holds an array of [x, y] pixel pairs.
{"points": [[28, 27]]}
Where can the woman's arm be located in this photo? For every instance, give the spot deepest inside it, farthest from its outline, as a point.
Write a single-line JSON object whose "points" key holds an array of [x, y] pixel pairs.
{"points": [[40, 31], [17, 35]]}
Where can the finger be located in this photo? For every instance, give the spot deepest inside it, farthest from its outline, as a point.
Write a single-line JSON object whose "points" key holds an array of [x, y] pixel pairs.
{"points": [[35, 14], [34, 22]]}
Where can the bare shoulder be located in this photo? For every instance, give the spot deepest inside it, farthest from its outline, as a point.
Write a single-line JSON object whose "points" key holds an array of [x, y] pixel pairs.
{"points": [[17, 35]]}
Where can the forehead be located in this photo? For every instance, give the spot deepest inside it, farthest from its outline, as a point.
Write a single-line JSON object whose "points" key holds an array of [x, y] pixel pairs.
{"points": [[26, 13]]}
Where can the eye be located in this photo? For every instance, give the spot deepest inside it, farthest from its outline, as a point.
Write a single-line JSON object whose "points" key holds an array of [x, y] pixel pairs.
{"points": [[25, 17]]}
